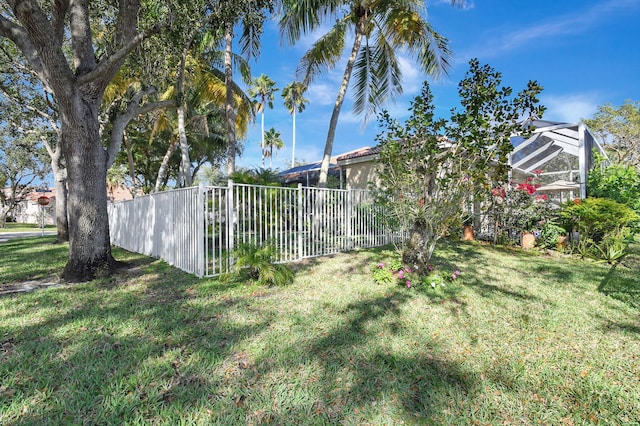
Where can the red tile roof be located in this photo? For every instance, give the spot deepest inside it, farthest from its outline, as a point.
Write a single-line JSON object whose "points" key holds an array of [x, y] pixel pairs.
{"points": [[363, 152]]}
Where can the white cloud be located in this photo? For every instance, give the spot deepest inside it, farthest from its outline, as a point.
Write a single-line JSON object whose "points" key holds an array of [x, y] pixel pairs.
{"points": [[575, 22], [321, 94], [466, 4], [412, 77], [569, 108]]}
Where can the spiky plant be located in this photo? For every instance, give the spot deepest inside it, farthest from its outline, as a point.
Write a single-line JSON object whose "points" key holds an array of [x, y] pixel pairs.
{"points": [[256, 263]]}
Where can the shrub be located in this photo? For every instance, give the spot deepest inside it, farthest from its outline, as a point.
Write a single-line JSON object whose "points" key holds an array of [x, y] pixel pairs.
{"points": [[396, 272], [550, 234], [256, 262], [617, 182], [596, 217], [613, 246], [382, 274]]}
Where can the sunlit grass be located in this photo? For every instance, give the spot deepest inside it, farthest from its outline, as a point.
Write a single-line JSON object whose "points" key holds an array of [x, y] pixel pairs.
{"points": [[30, 227], [521, 338]]}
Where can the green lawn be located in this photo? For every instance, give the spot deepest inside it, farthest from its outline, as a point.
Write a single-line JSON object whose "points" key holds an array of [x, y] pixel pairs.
{"points": [[521, 338], [18, 227]]}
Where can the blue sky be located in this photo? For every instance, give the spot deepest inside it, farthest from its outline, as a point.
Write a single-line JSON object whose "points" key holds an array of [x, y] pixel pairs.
{"points": [[584, 54]]}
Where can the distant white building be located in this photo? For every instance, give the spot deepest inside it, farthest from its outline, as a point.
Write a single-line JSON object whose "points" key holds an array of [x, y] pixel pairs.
{"points": [[30, 211]]}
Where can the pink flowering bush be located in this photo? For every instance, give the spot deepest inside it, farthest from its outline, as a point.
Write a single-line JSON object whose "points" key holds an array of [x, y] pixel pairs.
{"points": [[395, 272], [518, 207]]}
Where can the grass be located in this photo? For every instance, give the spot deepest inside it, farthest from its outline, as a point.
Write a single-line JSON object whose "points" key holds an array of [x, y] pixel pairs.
{"points": [[30, 227], [522, 338]]}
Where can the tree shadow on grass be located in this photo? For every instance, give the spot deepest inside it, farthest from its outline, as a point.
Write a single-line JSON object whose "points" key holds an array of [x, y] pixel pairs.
{"points": [[111, 355], [31, 258], [622, 281], [359, 374]]}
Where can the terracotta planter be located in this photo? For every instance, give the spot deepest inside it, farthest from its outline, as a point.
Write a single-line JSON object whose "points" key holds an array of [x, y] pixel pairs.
{"points": [[561, 244], [527, 240], [467, 233]]}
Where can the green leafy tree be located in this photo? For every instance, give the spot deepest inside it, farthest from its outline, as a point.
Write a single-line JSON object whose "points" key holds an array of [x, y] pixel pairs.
{"points": [[618, 182], [619, 127], [75, 65], [262, 90], [379, 29], [75, 51], [294, 102], [35, 118], [22, 164], [429, 168]]}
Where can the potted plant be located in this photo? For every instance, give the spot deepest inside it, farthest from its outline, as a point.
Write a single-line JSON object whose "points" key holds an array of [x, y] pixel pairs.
{"points": [[467, 227]]}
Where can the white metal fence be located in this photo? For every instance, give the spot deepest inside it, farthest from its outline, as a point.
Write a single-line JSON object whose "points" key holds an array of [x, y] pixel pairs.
{"points": [[196, 229]]}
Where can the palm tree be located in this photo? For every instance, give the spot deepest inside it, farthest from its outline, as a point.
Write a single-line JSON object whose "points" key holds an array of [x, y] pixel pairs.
{"points": [[272, 140], [380, 28], [262, 90], [249, 16], [204, 90], [294, 101]]}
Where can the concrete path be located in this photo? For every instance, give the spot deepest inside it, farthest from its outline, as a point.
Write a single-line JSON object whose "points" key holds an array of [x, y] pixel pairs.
{"points": [[6, 236]]}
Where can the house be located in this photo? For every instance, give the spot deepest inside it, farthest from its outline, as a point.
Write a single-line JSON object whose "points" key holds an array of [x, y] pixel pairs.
{"points": [[560, 154], [339, 166], [307, 174], [31, 211], [359, 167]]}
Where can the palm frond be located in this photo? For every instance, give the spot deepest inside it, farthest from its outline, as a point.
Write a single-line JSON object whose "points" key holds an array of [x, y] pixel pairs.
{"points": [[363, 77], [388, 76], [324, 53], [301, 17], [241, 64], [434, 54], [377, 76], [250, 39]]}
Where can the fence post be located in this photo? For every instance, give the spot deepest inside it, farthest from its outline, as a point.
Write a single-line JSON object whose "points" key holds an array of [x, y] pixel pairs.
{"points": [[300, 224], [230, 221], [200, 230], [348, 215]]}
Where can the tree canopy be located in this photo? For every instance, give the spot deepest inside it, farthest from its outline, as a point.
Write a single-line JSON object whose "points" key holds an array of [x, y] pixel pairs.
{"points": [[429, 168], [75, 50], [378, 29], [619, 128]]}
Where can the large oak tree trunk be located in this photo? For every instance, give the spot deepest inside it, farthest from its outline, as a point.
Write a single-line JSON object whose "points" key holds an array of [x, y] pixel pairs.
{"points": [[57, 42], [86, 160]]}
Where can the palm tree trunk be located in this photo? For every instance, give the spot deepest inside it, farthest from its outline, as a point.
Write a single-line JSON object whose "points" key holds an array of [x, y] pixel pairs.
{"points": [[185, 163], [131, 163], [164, 166], [262, 147], [328, 147], [229, 103], [293, 146]]}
